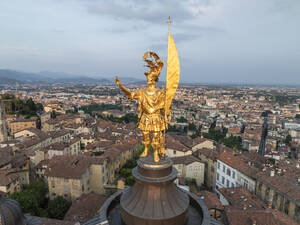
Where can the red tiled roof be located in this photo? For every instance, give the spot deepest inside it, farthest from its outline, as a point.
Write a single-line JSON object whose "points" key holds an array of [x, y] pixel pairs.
{"points": [[85, 207]]}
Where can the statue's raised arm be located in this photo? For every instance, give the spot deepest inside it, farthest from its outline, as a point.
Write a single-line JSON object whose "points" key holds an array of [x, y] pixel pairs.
{"points": [[124, 89]]}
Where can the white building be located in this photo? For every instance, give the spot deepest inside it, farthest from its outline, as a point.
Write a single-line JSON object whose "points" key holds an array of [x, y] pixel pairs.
{"points": [[233, 172]]}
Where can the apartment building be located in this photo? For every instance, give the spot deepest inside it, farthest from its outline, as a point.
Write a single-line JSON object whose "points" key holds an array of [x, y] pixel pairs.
{"points": [[190, 167], [21, 124], [72, 176]]}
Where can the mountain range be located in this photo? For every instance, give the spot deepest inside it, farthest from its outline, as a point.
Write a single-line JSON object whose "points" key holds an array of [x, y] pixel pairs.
{"points": [[11, 77]]}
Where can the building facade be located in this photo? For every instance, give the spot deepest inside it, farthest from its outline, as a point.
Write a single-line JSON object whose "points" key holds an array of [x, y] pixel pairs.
{"points": [[3, 129]]}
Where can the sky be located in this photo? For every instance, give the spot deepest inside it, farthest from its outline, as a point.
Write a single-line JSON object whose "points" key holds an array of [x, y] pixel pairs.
{"points": [[218, 41]]}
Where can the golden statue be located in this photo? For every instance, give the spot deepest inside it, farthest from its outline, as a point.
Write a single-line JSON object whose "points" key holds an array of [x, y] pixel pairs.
{"points": [[155, 103]]}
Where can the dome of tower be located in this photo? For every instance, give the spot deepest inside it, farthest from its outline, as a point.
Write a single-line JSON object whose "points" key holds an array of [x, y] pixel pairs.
{"points": [[11, 212]]}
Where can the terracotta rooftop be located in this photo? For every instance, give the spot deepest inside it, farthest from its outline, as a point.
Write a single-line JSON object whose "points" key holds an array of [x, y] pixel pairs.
{"points": [[239, 163], [85, 207], [186, 160], [72, 167], [172, 143], [7, 177], [258, 217], [210, 199], [240, 197]]}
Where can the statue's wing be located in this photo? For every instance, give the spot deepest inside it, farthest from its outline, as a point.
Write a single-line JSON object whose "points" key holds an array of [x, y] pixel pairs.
{"points": [[173, 73]]}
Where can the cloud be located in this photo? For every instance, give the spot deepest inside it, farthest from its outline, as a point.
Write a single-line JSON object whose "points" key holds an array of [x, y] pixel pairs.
{"points": [[154, 11]]}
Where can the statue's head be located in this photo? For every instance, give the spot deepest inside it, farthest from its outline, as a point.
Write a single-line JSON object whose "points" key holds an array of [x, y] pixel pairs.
{"points": [[155, 65]]}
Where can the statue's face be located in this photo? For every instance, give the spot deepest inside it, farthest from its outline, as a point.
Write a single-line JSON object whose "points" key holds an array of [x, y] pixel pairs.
{"points": [[151, 79]]}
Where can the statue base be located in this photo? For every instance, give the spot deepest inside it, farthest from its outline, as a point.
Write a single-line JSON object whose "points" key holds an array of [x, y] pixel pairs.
{"points": [[154, 199]]}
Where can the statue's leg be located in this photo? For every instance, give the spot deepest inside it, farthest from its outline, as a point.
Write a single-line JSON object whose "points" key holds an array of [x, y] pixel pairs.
{"points": [[162, 144], [156, 145], [146, 142]]}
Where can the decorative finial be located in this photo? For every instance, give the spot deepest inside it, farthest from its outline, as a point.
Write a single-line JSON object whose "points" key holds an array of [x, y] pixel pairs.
{"points": [[169, 23]]}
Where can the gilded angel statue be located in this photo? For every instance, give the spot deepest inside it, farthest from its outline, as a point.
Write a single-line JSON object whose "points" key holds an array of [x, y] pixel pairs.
{"points": [[155, 103]]}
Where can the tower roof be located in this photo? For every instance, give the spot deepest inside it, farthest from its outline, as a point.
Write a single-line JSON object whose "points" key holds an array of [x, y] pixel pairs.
{"points": [[11, 212]]}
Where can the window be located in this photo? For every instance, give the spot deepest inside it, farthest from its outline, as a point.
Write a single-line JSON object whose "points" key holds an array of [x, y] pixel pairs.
{"points": [[274, 201], [195, 175], [212, 169], [65, 188], [228, 172], [233, 174], [297, 214], [246, 183], [90, 171], [227, 183], [82, 188], [232, 184], [174, 152], [53, 186], [218, 165], [223, 180], [218, 176], [66, 180], [286, 206], [267, 195], [223, 168]]}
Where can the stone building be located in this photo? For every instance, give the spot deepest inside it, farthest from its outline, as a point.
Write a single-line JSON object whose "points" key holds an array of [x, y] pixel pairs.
{"points": [[3, 129], [9, 181], [21, 124], [281, 189], [190, 167], [209, 158], [72, 176]]}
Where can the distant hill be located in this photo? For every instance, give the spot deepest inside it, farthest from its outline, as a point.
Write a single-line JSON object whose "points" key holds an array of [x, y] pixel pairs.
{"points": [[12, 77], [48, 77]]}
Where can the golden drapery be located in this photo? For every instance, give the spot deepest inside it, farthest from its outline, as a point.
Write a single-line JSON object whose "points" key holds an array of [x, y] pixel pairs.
{"points": [[173, 73]]}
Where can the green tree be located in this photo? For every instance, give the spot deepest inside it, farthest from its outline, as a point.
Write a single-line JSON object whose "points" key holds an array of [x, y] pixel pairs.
{"points": [[32, 198], [130, 181], [266, 113], [233, 142], [192, 126], [288, 139], [28, 201], [181, 120], [58, 207]]}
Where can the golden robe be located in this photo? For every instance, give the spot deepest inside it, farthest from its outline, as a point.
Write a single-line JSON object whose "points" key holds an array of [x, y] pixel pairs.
{"points": [[151, 109]]}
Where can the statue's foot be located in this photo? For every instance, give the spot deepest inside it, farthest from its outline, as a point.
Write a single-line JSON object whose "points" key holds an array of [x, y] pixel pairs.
{"points": [[156, 157], [162, 152], [145, 153]]}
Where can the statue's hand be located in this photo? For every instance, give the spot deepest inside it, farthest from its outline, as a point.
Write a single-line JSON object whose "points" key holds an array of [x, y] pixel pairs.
{"points": [[117, 80]]}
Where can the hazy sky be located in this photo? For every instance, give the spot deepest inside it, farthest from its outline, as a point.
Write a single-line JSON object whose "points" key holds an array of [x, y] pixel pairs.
{"points": [[231, 41]]}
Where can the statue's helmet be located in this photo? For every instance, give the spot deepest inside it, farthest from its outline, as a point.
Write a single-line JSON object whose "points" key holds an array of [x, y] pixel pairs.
{"points": [[154, 63]]}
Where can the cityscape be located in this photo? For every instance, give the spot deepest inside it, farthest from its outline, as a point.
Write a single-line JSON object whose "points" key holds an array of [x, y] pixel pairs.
{"points": [[194, 137], [236, 147]]}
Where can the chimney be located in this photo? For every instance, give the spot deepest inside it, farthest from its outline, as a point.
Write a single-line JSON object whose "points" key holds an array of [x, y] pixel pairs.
{"points": [[272, 173]]}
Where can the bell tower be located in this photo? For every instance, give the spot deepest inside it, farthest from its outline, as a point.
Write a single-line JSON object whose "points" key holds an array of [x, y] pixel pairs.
{"points": [[3, 129]]}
